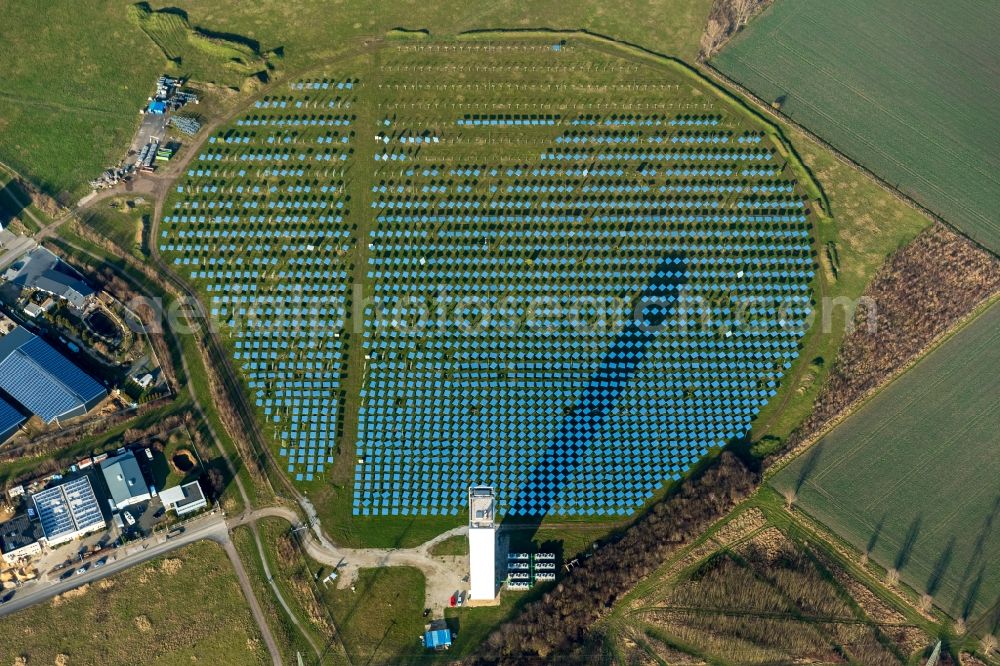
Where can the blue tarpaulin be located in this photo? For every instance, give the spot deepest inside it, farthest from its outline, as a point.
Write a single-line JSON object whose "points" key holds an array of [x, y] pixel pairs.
{"points": [[437, 638]]}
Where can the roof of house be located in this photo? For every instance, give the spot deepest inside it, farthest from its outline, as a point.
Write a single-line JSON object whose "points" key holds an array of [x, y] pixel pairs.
{"points": [[41, 379], [10, 418], [18, 532], [67, 508], [124, 478], [41, 269], [181, 496]]}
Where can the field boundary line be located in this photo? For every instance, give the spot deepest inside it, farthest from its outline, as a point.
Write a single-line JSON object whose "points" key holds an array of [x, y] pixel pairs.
{"points": [[945, 335], [924, 181], [842, 550], [927, 390]]}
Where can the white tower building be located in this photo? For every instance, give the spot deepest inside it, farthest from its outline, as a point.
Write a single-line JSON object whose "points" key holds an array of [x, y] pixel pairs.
{"points": [[482, 544]]}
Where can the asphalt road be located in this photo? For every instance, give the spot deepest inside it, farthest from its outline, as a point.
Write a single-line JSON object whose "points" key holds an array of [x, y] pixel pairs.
{"points": [[211, 527]]}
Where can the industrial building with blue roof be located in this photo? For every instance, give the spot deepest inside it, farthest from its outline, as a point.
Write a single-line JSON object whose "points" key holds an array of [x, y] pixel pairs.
{"points": [[10, 420], [43, 381]]}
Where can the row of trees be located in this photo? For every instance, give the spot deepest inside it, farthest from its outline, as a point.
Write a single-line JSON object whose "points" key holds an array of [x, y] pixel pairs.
{"points": [[915, 297], [52, 447], [561, 618]]}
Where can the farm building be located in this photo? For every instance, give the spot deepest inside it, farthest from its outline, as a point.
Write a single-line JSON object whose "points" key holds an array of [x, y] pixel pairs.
{"points": [[126, 484], [184, 499], [19, 538], [68, 511], [10, 420], [482, 543], [41, 270], [43, 381]]}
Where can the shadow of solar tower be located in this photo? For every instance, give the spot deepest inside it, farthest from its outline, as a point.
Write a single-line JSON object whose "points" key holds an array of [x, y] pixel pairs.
{"points": [[599, 397]]}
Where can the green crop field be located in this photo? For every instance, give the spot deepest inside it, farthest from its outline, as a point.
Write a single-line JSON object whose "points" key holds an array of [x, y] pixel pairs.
{"points": [[183, 608], [909, 89], [912, 477]]}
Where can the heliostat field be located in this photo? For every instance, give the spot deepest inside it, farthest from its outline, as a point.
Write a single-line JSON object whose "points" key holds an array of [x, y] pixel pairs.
{"points": [[545, 266]]}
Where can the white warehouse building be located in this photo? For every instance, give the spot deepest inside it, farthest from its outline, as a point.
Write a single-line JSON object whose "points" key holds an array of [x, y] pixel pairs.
{"points": [[68, 511]]}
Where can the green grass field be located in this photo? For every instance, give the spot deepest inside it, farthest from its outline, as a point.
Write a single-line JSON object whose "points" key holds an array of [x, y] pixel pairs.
{"points": [[289, 637], [121, 221], [71, 89], [184, 608], [452, 546], [377, 623], [905, 88], [866, 226], [166, 471], [912, 476], [192, 53], [380, 622]]}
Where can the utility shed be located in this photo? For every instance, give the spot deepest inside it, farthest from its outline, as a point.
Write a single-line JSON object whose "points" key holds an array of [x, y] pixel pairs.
{"points": [[437, 639], [482, 544]]}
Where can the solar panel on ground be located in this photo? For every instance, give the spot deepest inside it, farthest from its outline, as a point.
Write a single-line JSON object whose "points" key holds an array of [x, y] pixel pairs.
{"points": [[601, 207]]}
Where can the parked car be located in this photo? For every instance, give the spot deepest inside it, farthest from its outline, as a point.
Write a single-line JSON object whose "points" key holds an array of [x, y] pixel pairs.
{"points": [[129, 519], [100, 562], [159, 512], [83, 569]]}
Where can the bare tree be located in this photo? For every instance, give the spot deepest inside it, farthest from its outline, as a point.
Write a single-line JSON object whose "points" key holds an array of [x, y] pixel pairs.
{"points": [[715, 31]]}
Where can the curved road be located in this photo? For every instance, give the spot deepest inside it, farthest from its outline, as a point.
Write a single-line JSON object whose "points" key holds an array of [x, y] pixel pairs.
{"points": [[444, 574]]}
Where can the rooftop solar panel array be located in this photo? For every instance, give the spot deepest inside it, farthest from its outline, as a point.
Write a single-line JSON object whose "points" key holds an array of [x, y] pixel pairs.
{"points": [[68, 508], [10, 418], [45, 382], [502, 342]]}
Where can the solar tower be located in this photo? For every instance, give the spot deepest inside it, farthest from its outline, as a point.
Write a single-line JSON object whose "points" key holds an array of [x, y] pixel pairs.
{"points": [[482, 543]]}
